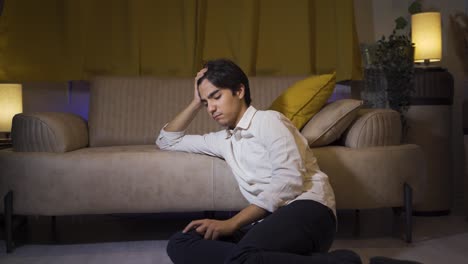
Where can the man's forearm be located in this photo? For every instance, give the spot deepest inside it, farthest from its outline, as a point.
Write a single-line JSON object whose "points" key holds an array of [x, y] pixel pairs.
{"points": [[248, 215], [184, 118]]}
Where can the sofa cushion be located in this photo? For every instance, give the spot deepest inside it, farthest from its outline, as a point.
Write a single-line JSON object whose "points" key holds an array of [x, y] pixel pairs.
{"points": [[118, 179], [132, 110], [330, 122], [374, 127], [304, 98], [143, 179], [48, 132]]}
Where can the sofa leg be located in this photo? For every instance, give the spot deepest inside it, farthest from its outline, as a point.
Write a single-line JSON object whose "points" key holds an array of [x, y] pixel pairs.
{"points": [[408, 198], [8, 207], [357, 223]]}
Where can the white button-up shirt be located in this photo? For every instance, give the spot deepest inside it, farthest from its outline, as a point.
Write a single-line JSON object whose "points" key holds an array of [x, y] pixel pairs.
{"points": [[269, 157]]}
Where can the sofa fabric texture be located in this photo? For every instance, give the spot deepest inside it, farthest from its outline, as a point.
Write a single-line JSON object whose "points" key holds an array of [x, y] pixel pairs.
{"points": [[132, 110], [381, 127], [49, 132], [390, 165], [53, 171], [119, 179], [329, 124]]}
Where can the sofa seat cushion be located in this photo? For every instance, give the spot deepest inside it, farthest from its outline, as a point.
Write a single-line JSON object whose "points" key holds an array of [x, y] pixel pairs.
{"points": [[144, 179], [123, 179]]}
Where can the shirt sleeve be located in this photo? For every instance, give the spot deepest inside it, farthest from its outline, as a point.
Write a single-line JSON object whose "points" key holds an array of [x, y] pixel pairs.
{"points": [[284, 146], [208, 144]]}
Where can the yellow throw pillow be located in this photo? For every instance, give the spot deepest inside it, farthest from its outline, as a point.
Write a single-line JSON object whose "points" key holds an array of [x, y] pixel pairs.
{"points": [[305, 98]]}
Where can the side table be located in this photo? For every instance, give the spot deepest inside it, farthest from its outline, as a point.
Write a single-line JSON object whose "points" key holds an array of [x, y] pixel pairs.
{"points": [[465, 141], [5, 143], [430, 125]]}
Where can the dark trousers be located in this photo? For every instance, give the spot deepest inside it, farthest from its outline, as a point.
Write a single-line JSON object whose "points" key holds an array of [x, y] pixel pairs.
{"points": [[295, 233]]}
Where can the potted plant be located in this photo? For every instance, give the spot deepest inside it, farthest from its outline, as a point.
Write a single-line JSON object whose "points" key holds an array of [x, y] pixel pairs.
{"points": [[388, 76], [394, 55]]}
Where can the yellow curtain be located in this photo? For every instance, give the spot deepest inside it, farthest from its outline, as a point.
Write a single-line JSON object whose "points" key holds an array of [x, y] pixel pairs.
{"points": [[78, 39]]}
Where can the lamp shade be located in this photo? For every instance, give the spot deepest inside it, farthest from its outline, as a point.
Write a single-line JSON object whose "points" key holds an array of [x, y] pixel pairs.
{"points": [[11, 103], [426, 34]]}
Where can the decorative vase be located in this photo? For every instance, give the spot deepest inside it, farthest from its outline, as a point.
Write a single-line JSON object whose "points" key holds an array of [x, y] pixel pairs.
{"points": [[374, 89]]}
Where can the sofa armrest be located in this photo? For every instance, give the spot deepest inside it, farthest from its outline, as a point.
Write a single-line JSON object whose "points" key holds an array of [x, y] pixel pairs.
{"points": [[373, 128], [48, 132]]}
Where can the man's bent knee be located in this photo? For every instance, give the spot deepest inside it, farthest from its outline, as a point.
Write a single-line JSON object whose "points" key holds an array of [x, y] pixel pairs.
{"points": [[245, 255], [178, 243]]}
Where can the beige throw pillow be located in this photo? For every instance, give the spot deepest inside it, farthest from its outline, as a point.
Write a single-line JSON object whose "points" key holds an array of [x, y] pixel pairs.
{"points": [[329, 123]]}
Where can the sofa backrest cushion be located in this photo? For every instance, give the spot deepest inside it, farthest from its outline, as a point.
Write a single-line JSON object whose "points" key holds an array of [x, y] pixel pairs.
{"points": [[329, 124], [132, 110]]}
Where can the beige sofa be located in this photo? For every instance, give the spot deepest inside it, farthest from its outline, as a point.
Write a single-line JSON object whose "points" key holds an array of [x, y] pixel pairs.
{"points": [[62, 165]]}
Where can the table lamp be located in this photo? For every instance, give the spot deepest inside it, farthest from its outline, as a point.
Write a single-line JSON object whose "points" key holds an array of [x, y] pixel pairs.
{"points": [[426, 34], [10, 104]]}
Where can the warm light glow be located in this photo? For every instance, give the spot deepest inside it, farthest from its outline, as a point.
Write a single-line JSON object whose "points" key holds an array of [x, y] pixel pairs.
{"points": [[426, 35], [11, 103]]}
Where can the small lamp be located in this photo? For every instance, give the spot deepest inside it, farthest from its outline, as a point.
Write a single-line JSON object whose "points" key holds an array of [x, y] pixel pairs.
{"points": [[426, 34], [10, 104]]}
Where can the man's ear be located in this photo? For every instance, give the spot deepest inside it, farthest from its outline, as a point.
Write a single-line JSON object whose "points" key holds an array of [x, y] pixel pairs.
{"points": [[241, 92]]}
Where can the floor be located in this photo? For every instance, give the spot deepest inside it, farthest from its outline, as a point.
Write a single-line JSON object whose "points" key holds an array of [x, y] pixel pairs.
{"points": [[122, 238]]}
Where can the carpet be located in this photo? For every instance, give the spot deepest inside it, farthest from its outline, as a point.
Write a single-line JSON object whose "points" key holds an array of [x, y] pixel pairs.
{"points": [[142, 252]]}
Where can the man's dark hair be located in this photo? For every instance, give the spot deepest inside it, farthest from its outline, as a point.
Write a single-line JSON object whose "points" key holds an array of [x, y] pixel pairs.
{"points": [[225, 74]]}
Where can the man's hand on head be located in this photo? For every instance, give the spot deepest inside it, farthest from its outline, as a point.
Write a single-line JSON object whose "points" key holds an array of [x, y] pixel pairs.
{"points": [[196, 96]]}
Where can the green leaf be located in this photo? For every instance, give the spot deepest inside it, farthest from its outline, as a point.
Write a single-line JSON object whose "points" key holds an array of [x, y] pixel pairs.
{"points": [[415, 7], [401, 23]]}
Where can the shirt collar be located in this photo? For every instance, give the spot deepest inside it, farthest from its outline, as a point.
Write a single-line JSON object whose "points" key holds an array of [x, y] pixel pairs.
{"points": [[244, 123]]}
